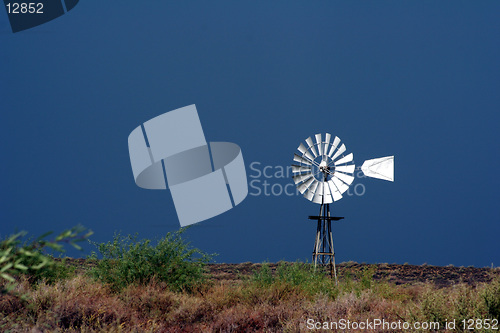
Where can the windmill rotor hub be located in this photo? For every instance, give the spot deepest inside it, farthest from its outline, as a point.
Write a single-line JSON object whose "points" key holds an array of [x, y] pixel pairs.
{"points": [[325, 169]]}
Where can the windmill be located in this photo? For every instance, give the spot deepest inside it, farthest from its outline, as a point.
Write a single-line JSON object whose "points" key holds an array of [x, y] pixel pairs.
{"points": [[323, 174]]}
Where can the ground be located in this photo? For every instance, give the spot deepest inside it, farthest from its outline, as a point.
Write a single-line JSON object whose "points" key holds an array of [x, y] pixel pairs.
{"points": [[398, 274]]}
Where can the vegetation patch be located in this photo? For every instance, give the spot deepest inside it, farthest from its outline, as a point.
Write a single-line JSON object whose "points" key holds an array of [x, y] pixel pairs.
{"points": [[127, 261], [138, 286]]}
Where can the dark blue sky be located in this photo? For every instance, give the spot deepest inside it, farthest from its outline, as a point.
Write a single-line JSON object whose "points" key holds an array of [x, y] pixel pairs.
{"points": [[416, 79]]}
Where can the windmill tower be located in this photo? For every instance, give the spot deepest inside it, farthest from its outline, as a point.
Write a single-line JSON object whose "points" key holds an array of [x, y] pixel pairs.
{"points": [[323, 174]]}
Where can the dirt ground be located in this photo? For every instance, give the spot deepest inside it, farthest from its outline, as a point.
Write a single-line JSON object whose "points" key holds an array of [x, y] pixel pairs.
{"points": [[398, 274]]}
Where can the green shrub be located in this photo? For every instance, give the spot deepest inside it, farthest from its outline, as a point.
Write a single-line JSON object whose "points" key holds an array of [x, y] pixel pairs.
{"points": [[54, 271], [366, 277], [491, 298], [435, 307], [299, 276], [29, 258], [126, 261], [263, 276]]}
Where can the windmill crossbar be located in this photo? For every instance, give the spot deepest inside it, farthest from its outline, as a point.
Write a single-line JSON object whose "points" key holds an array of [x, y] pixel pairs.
{"points": [[326, 218]]}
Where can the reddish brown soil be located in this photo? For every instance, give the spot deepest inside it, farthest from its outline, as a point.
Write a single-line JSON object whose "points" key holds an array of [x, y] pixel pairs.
{"points": [[398, 274]]}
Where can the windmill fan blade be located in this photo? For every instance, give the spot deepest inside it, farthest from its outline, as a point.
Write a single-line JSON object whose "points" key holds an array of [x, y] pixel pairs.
{"points": [[312, 190], [345, 178], [302, 148], [304, 151], [381, 168], [298, 168], [334, 191], [340, 151], [342, 187], [335, 143], [305, 185], [300, 159], [309, 195], [346, 168], [309, 142], [318, 196], [345, 159], [314, 185], [336, 196], [327, 195], [319, 143], [300, 178], [327, 143]]}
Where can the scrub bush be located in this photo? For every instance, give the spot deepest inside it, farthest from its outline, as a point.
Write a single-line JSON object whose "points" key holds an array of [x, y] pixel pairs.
{"points": [[127, 261]]}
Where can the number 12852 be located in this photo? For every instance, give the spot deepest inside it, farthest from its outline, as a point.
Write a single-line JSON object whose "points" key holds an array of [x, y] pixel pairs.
{"points": [[479, 324], [25, 8]]}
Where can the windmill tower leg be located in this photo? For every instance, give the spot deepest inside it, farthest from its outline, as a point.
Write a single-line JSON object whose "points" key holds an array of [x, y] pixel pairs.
{"points": [[323, 245], [333, 269], [317, 244]]}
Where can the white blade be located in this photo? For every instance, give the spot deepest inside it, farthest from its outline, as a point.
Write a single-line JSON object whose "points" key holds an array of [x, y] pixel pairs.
{"points": [[300, 159], [381, 168], [318, 196], [311, 191], [320, 145], [302, 148], [340, 151], [309, 142], [335, 143], [345, 178], [327, 143], [346, 168], [298, 168], [305, 185], [342, 187], [300, 178], [327, 195], [314, 185], [304, 151], [345, 159], [309, 195], [334, 190]]}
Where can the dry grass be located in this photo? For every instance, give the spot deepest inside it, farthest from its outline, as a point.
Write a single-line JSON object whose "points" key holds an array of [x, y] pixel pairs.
{"points": [[81, 304]]}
